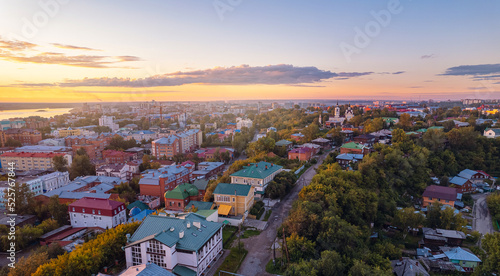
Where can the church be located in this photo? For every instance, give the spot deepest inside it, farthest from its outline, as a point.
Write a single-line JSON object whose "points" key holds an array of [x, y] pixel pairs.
{"points": [[336, 120]]}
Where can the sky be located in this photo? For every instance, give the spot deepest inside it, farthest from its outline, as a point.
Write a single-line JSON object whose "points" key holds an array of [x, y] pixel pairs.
{"points": [[101, 51]]}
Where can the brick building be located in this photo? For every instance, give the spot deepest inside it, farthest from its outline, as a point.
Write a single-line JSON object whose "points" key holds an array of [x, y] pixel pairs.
{"points": [[157, 182], [25, 161], [178, 198], [24, 135], [116, 157]]}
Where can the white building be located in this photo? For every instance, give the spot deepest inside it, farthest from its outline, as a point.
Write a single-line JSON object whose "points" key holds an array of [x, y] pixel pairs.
{"points": [[52, 142], [54, 181], [122, 171], [257, 175], [176, 244], [97, 212], [241, 123], [492, 132], [108, 121]]}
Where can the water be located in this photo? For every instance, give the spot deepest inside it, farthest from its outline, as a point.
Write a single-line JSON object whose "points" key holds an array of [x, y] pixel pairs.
{"points": [[21, 113]]}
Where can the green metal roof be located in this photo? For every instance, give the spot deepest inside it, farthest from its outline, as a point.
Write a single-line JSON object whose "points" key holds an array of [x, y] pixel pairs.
{"points": [[258, 170], [182, 191], [183, 271], [231, 189], [352, 145], [206, 213], [282, 143], [139, 204], [200, 205], [436, 127], [201, 184], [422, 130], [166, 230]]}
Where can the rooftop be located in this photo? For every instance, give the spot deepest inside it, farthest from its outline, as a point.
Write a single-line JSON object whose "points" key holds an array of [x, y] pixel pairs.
{"points": [[259, 170], [96, 203], [231, 189], [441, 192], [182, 191]]}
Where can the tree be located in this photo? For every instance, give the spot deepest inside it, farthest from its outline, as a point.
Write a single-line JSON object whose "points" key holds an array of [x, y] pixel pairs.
{"points": [[434, 139], [405, 121], [60, 163], [81, 166], [299, 248], [408, 218], [13, 143], [101, 129], [24, 199], [81, 151], [29, 265], [58, 211], [311, 132], [491, 244]]}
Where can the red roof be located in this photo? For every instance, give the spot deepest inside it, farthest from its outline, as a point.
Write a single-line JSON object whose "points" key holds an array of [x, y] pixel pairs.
{"points": [[96, 203], [31, 154], [441, 192]]}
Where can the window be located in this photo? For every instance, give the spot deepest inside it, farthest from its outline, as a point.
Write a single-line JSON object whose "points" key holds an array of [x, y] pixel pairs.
{"points": [[136, 255], [234, 199], [155, 247], [159, 260]]}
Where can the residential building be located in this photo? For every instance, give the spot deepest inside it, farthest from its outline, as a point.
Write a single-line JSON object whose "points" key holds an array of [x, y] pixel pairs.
{"points": [[52, 142], [137, 153], [54, 180], [148, 269], [122, 171], [302, 154], [178, 198], [185, 246], [65, 132], [233, 199], [322, 142], [365, 139], [346, 159], [209, 153], [201, 185], [108, 121], [356, 148], [208, 169], [284, 143], [241, 123], [157, 182], [475, 177], [297, 136], [142, 135], [97, 212], [24, 135], [166, 146], [25, 161], [492, 132], [9, 124], [116, 157], [463, 185], [257, 175], [44, 149], [440, 237], [462, 257], [93, 145], [408, 267], [443, 195]]}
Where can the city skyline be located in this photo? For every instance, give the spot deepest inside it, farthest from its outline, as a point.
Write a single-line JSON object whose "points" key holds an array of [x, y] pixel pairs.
{"points": [[68, 51]]}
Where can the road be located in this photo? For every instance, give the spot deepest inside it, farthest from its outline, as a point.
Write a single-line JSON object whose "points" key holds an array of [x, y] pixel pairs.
{"points": [[259, 247], [482, 218]]}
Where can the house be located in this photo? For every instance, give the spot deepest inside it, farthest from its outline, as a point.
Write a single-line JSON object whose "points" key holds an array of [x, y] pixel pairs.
{"points": [[284, 143], [157, 182], [137, 153], [345, 159], [184, 246], [297, 136], [97, 212], [269, 129], [443, 195], [463, 185], [147, 269], [178, 198], [353, 147], [121, 171], [492, 133], [66, 236], [241, 123], [201, 185], [365, 139], [408, 267], [257, 175], [476, 177], [464, 258], [115, 156], [208, 169], [322, 142], [441, 237], [166, 146], [302, 154], [233, 199]]}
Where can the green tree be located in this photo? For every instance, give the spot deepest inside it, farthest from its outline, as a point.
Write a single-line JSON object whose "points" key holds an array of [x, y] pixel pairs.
{"points": [[29, 265], [491, 244], [81, 166], [58, 211], [434, 139], [299, 248], [60, 163], [405, 121], [408, 218], [13, 143]]}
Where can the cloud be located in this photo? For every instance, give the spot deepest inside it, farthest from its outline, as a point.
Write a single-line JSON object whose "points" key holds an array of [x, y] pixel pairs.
{"points": [[25, 52], [398, 72], [236, 75], [124, 92], [472, 70], [72, 47], [428, 56], [415, 87]]}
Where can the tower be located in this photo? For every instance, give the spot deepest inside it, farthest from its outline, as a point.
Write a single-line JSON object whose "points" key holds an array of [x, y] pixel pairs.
{"points": [[337, 110], [320, 118], [349, 113]]}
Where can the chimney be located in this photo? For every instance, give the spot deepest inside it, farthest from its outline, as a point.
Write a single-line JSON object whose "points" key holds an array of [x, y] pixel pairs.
{"points": [[416, 263], [188, 225], [266, 167], [181, 234], [197, 224], [256, 165]]}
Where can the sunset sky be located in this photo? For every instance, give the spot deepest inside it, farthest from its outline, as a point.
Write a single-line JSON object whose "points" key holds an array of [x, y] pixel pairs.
{"points": [[90, 51]]}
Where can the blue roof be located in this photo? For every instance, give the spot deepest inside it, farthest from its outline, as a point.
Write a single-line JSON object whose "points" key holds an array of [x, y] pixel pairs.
{"points": [[141, 215], [467, 173], [461, 255], [457, 180]]}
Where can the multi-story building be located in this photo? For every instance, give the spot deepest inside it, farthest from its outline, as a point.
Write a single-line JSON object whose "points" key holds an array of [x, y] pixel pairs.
{"points": [[190, 140], [233, 199], [52, 142], [122, 171], [25, 161], [443, 195], [142, 135], [116, 157], [44, 149], [65, 132], [93, 145], [178, 198], [356, 148], [97, 212], [166, 146], [25, 135], [157, 182], [241, 123], [54, 180], [184, 246], [256, 174], [108, 121], [8, 124], [208, 169], [3, 138]]}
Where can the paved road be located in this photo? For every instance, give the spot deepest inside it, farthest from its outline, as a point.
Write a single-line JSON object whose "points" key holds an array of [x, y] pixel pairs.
{"points": [[259, 247], [482, 218]]}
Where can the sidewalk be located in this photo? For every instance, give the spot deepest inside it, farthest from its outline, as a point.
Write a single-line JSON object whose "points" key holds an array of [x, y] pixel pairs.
{"points": [[214, 266]]}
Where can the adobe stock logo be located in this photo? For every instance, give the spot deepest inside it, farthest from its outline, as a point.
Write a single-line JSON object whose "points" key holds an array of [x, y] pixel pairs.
{"points": [[363, 37], [223, 6], [40, 19]]}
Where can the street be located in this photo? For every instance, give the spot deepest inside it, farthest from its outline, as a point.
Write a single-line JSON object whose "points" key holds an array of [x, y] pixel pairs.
{"points": [[482, 218], [259, 247]]}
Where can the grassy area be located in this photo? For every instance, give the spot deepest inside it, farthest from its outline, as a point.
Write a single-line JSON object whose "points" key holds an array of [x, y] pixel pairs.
{"points": [[495, 224], [250, 233], [233, 261], [268, 214], [274, 269], [228, 235]]}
